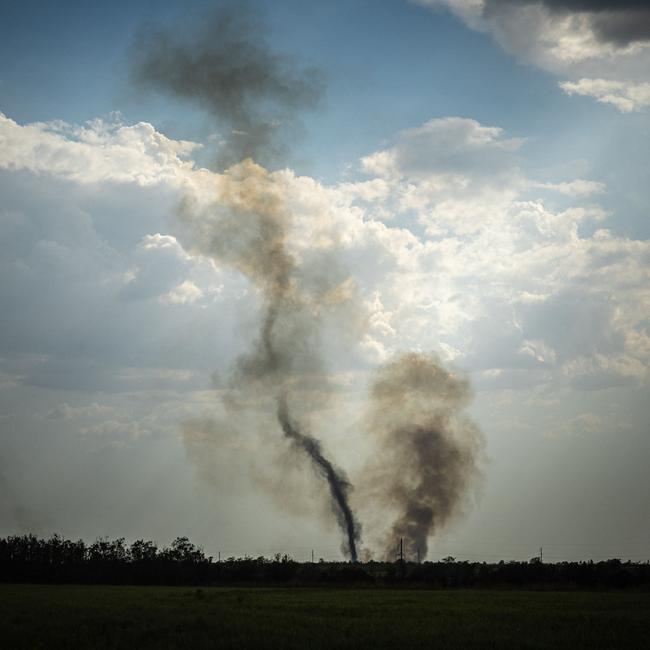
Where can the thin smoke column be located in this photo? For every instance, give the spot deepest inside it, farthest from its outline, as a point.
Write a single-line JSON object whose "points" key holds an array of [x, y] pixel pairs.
{"points": [[227, 68], [339, 486], [429, 452]]}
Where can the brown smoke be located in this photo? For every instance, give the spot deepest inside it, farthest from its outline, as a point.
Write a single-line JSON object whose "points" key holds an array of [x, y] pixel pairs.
{"points": [[247, 228], [428, 451], [225, 66]]}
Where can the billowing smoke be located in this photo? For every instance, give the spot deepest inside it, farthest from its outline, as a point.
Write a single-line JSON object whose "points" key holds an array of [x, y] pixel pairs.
{"points": [[227, 68], [428, 451], [246, 227], [224, 65]]}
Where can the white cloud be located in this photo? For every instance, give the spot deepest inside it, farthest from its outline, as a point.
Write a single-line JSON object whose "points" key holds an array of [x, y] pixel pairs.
{"points": [[183, 294], [97, 152], [447, 249], [625, 96], [604, 54], [445, 146], [506, 283], [502, 283], [578, 187]]}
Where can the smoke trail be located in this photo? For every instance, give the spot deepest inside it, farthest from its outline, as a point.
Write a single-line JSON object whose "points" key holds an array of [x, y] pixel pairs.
{"points": [[338, 484], [246, 227], [227, 68], [429, 452]]}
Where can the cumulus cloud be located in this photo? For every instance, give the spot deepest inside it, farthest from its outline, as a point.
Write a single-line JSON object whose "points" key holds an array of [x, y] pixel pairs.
{"points": [[446, 146], [627, 97], [185, 293], [503, 282], [450, 172], [96, 152], [87, 270], [113, 321], [497, 279], [619, 21], [601, 46]]}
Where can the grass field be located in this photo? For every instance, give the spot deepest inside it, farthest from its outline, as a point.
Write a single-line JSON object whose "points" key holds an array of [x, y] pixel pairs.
{"points": [[37, 616]]}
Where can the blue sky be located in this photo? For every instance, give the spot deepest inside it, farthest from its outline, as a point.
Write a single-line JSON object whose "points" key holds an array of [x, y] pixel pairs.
{"points": [[388, 65], [479, 174]]}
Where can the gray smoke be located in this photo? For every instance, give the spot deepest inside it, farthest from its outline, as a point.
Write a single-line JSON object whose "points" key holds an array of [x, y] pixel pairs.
{"points": [[429, 452], [226, 67], [247, 227], [224, 64]]}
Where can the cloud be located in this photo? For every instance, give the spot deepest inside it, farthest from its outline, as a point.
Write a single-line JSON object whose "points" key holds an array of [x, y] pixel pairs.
{"points": [[448, 249], [97, 152], [500, 282], [64, 411], [619, 21], [627, 97], [578, 187], [112, 326], [87, 271], [598, 42], [448, 173], [445, 146], [183, 294]]}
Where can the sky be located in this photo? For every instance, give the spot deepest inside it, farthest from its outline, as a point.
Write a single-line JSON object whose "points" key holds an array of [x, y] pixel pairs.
{"points": [[460, 178]]}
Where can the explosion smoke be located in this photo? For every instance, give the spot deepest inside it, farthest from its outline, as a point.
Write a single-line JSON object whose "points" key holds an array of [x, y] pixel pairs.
{"points": [[250, 211], [429, 452], [227, 68]]}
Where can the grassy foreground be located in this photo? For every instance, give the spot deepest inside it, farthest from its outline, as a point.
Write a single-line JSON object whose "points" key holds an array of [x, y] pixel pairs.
{"points": [[51, 616]]}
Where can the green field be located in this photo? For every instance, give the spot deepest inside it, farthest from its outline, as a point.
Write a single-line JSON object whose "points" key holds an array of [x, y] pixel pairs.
{"points": [[37, 616]]}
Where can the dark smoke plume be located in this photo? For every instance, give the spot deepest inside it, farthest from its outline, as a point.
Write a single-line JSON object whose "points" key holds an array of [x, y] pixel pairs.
{"points": [[227, 68], [338, 484], [224, 65], [428, 452]]}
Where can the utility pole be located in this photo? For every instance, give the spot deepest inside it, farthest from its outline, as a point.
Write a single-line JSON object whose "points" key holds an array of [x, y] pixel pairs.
{"points": [[418, 555], [312, 555], [401, 558], [541, 554], [219, 556]]}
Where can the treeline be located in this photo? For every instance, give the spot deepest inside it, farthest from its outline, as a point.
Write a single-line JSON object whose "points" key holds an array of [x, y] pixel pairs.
{"points": [[27, 558]]}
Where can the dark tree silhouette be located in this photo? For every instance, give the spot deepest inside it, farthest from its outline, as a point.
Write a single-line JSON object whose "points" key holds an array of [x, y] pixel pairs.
{"points": [[27, 558]]}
